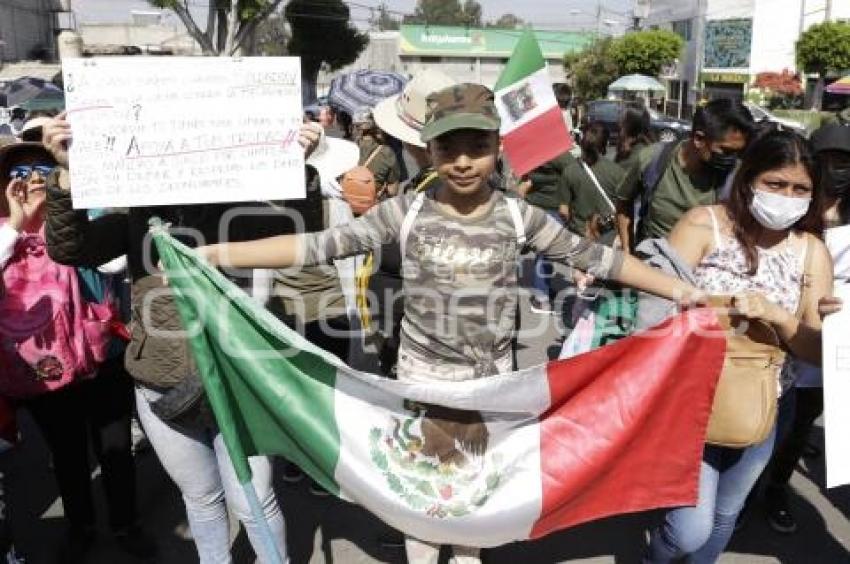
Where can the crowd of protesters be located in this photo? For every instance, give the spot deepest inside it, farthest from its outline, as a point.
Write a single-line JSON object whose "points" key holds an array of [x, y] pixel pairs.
{"points": [[738, 208]]}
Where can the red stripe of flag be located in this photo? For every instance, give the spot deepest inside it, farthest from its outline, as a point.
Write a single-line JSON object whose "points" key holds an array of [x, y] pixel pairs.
{"points": [[538, 141], [626, 428]]}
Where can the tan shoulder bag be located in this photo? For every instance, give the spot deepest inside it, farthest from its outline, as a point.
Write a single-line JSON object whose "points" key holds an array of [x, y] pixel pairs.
{"points": [[744, 409]]}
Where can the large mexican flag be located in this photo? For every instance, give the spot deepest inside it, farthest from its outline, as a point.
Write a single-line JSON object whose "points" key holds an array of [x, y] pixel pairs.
{"points": [[481, 462], [533, 129]]}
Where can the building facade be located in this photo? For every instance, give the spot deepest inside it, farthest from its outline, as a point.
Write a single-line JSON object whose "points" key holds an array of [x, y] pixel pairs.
{"points": [[728, 42], [27, 30], [465, 54]]}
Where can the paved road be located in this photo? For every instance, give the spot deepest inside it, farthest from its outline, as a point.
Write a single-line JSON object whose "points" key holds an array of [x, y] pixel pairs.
{"points": [[326, 530]]}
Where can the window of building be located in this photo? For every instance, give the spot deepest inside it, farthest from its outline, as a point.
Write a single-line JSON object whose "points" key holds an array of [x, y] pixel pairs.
{"points": [[682, 28], [673, 89], [431, 59]]}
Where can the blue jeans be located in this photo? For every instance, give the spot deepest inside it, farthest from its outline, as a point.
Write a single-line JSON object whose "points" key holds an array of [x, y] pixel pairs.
{"points": [[543, 270], [197, 461], [701, 533]]}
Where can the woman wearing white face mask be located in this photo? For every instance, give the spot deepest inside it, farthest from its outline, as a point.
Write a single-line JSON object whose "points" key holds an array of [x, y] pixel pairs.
{"points": [[755, 248]]}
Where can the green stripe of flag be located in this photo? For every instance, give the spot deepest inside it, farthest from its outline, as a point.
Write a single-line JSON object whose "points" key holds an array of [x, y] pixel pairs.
{"points": [[526, 59], [276, 404]]}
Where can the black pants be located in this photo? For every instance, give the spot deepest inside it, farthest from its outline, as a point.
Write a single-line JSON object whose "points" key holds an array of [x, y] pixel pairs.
{"points": [[99, 409], [809, 406]]}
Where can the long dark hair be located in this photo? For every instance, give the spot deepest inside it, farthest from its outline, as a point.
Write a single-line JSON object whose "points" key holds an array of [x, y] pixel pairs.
{"points": [[634, 130], [771, 151], [594, 142]]}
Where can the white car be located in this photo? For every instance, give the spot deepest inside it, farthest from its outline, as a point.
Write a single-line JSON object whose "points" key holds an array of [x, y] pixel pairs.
{"points": [[761, 114]]}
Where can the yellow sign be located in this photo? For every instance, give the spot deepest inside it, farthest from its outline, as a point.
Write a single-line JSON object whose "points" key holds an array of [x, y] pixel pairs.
{"points": [[728, 77]]}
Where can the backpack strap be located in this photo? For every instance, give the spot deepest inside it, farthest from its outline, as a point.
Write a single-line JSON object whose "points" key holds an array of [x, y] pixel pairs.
{"points": [[592, 176], [424, 182], [407, 223], [652, 176], [372, 156], [516, 216]]}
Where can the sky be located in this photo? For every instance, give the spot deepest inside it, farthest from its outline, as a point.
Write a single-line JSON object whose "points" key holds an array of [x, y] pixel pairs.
{"points": [[563, 14]]}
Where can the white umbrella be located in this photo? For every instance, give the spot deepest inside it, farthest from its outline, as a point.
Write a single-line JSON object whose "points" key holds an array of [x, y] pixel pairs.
{"points": [[637, 83]]}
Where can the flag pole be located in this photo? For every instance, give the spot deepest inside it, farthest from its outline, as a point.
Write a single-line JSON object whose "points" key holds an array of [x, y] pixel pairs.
{"points": [[269, 548]]}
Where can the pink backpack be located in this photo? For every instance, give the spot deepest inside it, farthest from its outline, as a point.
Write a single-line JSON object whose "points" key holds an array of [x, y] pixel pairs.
{"points": [[49, 335]]}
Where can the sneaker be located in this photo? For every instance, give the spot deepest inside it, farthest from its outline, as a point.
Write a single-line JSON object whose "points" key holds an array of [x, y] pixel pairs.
{"points": [[540, 306], [779, 515], [136, 542], [292, 474], [315, 489]]}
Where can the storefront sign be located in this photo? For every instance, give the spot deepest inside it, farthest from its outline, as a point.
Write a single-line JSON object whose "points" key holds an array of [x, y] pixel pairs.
{"points": [[463, 42], [725, 77]]}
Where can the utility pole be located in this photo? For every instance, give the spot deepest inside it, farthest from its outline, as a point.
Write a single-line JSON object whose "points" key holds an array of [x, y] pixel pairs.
{"points": [[598, 16], [828, 15]]}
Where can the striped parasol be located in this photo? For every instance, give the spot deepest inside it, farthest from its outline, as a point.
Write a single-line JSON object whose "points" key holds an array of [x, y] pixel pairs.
{"points": [[840, 86], [360, 90]]}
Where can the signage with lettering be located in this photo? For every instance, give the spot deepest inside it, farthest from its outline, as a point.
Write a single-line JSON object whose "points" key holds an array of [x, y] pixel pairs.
{"points": [[183, 130]]}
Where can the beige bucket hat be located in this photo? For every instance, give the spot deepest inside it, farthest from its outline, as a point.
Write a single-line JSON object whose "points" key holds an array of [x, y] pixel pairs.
{"points": [[403, 115]]}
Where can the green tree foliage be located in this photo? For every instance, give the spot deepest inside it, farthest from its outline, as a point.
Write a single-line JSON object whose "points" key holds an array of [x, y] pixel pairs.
{"points": [[506, 21], [592, 70], [384, 21], [823, 48], [646, 52], [271, 37], [446, 12], [322, 34], [230, 25]]}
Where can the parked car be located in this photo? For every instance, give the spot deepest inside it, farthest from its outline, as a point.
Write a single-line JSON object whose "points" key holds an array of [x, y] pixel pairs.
{"points": [[761, 114], [608, 112]]}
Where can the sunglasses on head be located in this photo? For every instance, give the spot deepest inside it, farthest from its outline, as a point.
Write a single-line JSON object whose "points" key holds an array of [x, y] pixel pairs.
{"points": [[24, 172]]}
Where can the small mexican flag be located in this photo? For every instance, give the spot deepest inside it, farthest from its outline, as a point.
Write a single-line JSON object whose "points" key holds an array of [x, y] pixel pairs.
{"points": [[476, 463], [533, 129]]}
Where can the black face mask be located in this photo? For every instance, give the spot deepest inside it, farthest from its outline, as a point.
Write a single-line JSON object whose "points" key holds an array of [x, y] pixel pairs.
{"points": [[721, 163], [836, 181]]}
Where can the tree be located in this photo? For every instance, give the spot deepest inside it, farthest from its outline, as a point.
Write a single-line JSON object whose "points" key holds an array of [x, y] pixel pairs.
{"points": [[592, 70], [230, 24], [646, 52], [322, 34], [507, 21], [384, 20], [271, 37], [823, 48], [446, 12]]}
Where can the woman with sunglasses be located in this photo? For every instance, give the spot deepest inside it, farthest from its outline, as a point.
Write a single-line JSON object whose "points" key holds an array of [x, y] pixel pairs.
{"points": [[101, 406]]}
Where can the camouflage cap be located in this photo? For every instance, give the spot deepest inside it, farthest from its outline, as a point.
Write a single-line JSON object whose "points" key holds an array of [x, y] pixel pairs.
{"points": [[463, 106]]}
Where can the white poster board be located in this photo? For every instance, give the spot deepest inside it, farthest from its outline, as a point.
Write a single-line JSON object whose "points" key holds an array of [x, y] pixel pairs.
{"points": [[183, 130], [836, 390]]}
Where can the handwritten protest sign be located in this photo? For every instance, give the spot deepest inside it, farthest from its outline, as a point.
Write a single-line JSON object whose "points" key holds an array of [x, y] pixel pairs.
{"points": [[836, 391], [181, 130]]}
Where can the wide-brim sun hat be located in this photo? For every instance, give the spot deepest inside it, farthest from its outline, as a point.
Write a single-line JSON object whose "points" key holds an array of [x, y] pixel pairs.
{"points": [[334, 157], [403, 115]]}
